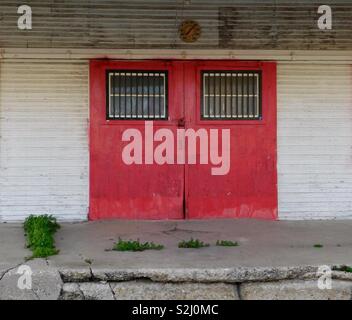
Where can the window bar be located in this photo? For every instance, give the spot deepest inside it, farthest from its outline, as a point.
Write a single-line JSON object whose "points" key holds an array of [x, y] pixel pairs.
{"points": [[137, 93], [219, 111], [248, 113], [206, 95], [120, 85], [124, 98], [225, 95], [234, 112], [209, 94], [210, 97], [253, 96], [237, 95], [214, 94], [112, 103], [154, 94], [242, 96], [207, 114], [160, 97], [163, 89], [258, 109], [148, 95], [231, 93], [120, 94], [129, 84], [135, 89], [142, 95], [131, 95]]}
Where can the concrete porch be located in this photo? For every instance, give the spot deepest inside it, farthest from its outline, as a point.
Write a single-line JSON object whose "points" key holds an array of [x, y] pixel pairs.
{"points": [[269, 253]]}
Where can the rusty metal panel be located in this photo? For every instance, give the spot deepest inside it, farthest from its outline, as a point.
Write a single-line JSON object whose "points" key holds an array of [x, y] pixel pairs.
{"points": [[136, 24]]}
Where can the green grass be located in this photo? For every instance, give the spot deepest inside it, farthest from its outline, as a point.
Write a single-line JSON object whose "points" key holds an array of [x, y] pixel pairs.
{"points": [[318, 245], [88, 261], [193, 244], [343, 268], [135, 245], [40, 231], [226, 243]]}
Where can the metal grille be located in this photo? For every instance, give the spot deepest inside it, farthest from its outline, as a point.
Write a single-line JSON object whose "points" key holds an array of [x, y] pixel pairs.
{"points": [[137, 95], [231, 95]]}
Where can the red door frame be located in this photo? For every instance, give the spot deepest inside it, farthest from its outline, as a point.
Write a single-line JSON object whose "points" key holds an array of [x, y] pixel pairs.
{"points": [[191, 70]]}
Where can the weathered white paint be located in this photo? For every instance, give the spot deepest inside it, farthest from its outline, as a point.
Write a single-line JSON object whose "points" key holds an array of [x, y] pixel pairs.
{"points": [[43, 139], [315, 141]]}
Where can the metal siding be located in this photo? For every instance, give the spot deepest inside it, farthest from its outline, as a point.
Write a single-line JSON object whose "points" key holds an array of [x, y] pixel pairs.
{"points": [[133, 24], [44, 169], [314, 141], [43, 140]]}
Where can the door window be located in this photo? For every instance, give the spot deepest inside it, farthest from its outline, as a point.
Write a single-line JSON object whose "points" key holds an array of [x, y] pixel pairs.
{"points": [[137, 95], [231, 95]]}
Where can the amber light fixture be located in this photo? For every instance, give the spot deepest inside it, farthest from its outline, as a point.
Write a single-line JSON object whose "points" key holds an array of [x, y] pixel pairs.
{"points": [[190, 31]]}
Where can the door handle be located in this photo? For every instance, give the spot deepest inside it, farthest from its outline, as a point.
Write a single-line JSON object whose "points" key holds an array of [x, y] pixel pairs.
{"points": [[181, 122]]}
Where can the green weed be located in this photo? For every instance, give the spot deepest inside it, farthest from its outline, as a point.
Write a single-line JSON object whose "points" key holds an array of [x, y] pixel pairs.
{"points": [[40, 232], [136, 245], [193, 244], [226, 243]]}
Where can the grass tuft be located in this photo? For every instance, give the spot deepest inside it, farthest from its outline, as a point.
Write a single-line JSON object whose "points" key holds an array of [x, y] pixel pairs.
{"points": [[193, 244], [136, 245], [343, 268], [40, 232], [226, 243], [318, 245]]}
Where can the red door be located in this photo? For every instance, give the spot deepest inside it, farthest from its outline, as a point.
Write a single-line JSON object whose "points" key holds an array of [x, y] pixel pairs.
{"points": [[238, 97], [220, 115], [134, 191]]}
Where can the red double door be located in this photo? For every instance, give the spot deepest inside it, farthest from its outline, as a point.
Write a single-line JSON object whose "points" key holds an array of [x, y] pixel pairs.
{"points": [[220, 114]]}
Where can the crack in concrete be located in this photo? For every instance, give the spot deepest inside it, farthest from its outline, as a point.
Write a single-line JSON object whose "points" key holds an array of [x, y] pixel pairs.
{"points": [[176, 229], [8, 270], [37, 296], [237, 288], [92, 277], [112, 291], [81, 292]]}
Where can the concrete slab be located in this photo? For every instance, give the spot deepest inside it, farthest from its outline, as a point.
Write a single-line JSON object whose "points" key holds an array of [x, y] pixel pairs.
{"points": [[262, 244], [45, 283], [277, 257], [12, 246]]}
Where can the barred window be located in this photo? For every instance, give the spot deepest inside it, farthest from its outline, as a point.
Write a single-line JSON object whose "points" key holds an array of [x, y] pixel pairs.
{"points": [[137, 95], [231, 95]]}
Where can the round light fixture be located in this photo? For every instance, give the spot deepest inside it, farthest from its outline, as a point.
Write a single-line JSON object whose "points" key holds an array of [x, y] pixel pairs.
{"points": [[190, 31]]}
